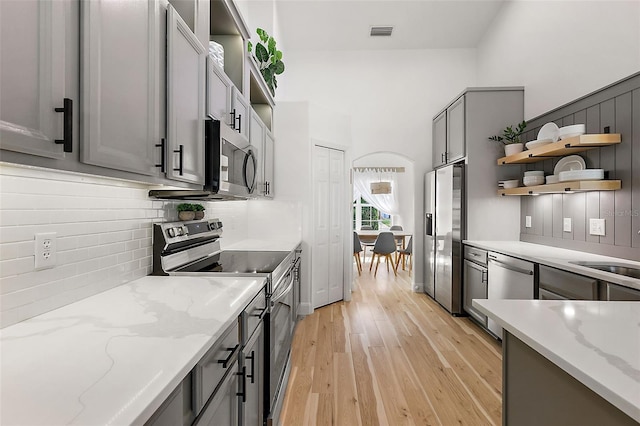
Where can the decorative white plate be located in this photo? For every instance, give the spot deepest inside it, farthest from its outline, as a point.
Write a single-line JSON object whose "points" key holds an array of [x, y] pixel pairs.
{"points": [[533, 180], [506, 184], [549, 131], [552, 179], [534, 173], [588, 174], [537, 143], [567, 132], [570, 162]]}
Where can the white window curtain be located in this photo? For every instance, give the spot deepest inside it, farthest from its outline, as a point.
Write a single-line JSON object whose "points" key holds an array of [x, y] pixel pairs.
{"points": [[386, 203]]}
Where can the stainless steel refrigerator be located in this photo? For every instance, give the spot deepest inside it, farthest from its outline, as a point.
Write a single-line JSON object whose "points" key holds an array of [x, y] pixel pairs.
{"points": [[444, 232]]}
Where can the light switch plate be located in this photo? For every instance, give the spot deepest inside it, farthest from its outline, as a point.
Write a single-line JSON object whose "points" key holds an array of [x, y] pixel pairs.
{"points": [[566, 224], [527, 221], [596, 227]]}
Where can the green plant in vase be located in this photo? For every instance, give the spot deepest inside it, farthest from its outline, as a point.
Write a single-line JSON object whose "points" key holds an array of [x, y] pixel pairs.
{"points": [[511, 138], [199, 211], [186, 211], [269, 59]]}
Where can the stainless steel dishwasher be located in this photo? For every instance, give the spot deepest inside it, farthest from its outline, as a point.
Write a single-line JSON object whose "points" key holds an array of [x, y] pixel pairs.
{"points": [[509, 278]]}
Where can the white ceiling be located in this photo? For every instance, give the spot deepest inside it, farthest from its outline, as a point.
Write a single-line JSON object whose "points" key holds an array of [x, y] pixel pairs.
{"points": [[418, 24]]}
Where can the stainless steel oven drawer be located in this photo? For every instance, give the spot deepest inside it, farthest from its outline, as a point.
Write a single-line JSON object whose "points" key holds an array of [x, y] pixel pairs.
{"points": [[214, 364], [253, 314]]}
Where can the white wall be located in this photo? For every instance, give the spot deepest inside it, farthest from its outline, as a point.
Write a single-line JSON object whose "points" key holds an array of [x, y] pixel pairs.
{"points": [[390, 97], [560, 50]]}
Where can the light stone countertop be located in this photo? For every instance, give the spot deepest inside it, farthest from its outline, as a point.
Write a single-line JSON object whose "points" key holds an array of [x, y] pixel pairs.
{"points": [[598, 343], [561, 258], [113, 358], [258, 244]]}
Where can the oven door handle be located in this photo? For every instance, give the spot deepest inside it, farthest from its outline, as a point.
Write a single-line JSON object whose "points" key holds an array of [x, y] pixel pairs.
{"points": [[276, 299]]}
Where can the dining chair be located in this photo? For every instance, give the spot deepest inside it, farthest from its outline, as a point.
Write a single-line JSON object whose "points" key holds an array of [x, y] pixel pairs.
{"points": [[357, 248], [403, 253], [385, 245], [367, 241]]}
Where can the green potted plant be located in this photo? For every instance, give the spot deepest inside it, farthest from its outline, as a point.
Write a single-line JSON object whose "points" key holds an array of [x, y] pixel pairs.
{"points": [[186, 211], [199, 211], [511, 138], [269, 59]]}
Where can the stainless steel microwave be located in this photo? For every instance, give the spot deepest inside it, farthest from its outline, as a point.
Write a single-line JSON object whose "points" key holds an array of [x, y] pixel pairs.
{"points": [[230, 162]]}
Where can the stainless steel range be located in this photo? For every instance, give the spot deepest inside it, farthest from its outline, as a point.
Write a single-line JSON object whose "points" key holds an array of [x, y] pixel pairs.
{"points": [[193, 249]]}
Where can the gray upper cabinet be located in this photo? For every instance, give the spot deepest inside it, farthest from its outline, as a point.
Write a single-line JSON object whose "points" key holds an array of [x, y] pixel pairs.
{"points": [[121, 84], [449, 134], [185, 101], [240, 113], [268, 153], [455, 131], [439, 139], [257, 133], [219, 91], [38, 71]]}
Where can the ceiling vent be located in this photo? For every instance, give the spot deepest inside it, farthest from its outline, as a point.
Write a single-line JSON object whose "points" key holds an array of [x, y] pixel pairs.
{"points": [[383, 31]]}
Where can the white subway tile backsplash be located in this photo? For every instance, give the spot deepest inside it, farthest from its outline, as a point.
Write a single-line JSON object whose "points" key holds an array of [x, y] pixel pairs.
{"points": [[104, 235]]}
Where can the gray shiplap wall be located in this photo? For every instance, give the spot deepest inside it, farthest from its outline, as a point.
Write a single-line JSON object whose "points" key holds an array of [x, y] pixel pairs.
{"points": [[613, 109]]}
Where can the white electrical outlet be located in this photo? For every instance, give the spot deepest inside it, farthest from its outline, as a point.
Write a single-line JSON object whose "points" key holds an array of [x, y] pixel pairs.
{"points": [[45, 253], [596, 227], [527, 221], [566, 224]]}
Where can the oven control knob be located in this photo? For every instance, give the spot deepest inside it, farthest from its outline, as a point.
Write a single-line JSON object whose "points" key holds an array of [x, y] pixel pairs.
{"points": [[180, 231], [171, 232]]}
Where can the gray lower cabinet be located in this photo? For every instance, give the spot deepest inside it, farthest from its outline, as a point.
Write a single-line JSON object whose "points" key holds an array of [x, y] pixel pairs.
{"points": [[185, 101], [621, 293], [177, 409], [252, 400], [222, 408], [536, 392], [555, 284], [122, 83], [474, 287], [38, 71]]}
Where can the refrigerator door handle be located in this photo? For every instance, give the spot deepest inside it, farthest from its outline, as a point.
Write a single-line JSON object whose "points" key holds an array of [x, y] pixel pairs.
{"points": [[428, 224]]}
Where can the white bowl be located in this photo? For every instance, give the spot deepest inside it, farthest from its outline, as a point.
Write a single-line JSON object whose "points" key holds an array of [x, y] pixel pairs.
{"points": [[533, 180], [548, 131], [534, 173], [535, 144], [587, 174], [506, 184], [571, 131], [553, 179]]}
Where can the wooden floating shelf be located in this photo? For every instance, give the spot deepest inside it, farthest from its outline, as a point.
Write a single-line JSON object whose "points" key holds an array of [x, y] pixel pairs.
{"points": [[564, 187], [563, 147]]}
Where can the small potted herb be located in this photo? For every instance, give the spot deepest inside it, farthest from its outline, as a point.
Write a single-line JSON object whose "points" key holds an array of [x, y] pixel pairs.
{"points": [[511, 138], [199, 211], [186, 211]]}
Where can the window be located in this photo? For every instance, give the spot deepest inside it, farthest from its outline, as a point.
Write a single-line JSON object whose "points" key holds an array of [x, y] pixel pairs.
{"points": [[365, 214]]}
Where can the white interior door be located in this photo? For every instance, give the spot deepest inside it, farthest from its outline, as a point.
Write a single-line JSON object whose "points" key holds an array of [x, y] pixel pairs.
{"points": [[327, 254]]}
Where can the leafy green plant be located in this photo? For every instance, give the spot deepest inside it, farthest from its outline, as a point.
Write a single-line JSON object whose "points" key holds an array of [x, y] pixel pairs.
{"points": [[510, 134], [185, 207], [197, 207], [269, 59]]}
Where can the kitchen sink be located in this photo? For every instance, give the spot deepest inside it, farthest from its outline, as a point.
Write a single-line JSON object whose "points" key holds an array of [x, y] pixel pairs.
{"points": [[616, 268]]}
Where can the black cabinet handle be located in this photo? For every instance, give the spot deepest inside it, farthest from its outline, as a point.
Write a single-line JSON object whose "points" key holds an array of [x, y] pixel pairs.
{"points": [[261, 314], [180, 151], [232, 352], [233, 118], [267, 188], [243, 394], [163, 147], [442, 158], [67, 109], [239, 129], [251, 376]]}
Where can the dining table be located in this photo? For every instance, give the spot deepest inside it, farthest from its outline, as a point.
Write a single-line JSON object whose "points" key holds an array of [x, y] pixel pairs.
{"points": [[370, 235]]}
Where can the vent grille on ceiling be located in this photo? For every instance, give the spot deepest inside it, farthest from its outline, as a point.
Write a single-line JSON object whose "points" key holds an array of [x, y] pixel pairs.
{"points": [[384, 31]]}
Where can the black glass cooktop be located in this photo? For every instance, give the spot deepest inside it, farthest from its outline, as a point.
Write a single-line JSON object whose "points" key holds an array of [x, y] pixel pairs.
{"points": [[241, 262]]}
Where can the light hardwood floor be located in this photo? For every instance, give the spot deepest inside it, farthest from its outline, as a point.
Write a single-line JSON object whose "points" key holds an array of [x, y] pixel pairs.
{"points": [[392, 357]]}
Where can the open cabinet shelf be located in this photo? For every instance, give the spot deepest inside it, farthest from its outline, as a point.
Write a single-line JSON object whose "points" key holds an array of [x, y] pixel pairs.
{"points": [[564, 187], [563, 147]]}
